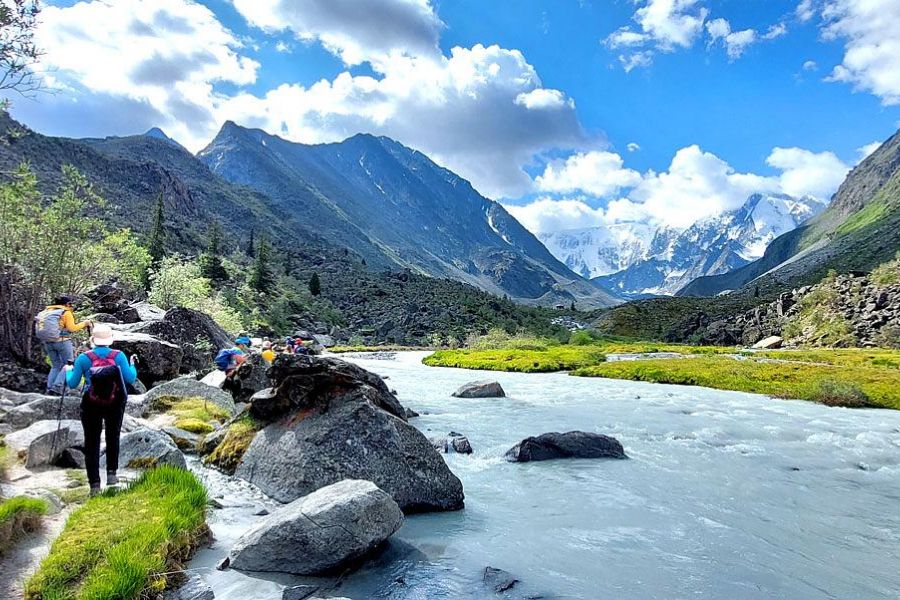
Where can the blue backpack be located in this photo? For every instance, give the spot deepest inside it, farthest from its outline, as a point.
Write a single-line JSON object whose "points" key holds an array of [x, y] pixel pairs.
{"points": [[223, 358]]}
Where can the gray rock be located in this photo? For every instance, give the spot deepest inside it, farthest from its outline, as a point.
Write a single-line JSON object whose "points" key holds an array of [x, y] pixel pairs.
{"points": [[48, 407], [214, 378], [159, 360], [194, 332], [211, 440], [54, 502], [42, 442], [480, 389], [195, 588], [144, 448], [186, 441], [19, 398], [452, 442], [249, 378], [188, 387], [573, 444], [771, 342], [498, 580], [333, 423], [148, 312], [299, 592], [318, 534]]}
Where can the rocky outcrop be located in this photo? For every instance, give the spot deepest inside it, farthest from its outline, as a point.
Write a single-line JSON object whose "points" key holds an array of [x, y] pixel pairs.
{"points": [[145, 448], [38, 407], [44, 442], [249, 378], [199, 337], [320, 533], [452, 442], [573, 444], [480, 389], [330, 420], [188, 387], [16, 377], [159, 360]]}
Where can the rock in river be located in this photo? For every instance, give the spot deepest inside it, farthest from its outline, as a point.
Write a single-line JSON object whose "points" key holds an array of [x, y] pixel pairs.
{"points": [[321, 532], [480, 389], [144, 448], [330, 420], [573, 444], [453, 442]]}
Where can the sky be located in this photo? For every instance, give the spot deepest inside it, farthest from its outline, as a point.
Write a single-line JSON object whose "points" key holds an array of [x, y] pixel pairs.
{"points": [[573, 113]]}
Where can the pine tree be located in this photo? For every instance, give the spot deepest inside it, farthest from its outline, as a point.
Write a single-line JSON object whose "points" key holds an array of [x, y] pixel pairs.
{"points": [[315, 285], [572, 308], [156, 246], [261, 278], [211, 259], [251, 245]]}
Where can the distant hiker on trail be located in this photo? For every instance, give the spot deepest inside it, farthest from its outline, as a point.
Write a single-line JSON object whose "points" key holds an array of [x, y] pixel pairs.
{"points": [[229, 359], [54, 327], [106, 374], [267, 353]]}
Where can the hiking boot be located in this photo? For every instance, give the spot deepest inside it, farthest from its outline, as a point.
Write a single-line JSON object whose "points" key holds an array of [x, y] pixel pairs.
{"points": [[95, 489], [111, 478]]}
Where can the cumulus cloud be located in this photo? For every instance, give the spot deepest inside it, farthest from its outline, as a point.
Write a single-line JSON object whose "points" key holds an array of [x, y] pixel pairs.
{"points": [[735, 42], [596, 173], [775, 31], [806, 10], [806, 173], [374, 33], [870, 30], [664, 25], [866, 150], [810, 65], [633, 147], [548, 214]]}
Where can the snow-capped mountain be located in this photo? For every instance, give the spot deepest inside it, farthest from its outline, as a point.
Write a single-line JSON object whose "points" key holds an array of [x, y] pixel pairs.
{"points": [[636, 259]]}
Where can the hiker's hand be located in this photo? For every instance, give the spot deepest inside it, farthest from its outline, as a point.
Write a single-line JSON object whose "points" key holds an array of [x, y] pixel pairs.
{"points": [[68, 368]]}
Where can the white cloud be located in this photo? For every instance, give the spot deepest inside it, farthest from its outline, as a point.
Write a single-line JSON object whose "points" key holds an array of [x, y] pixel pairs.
{"points": [[775, 31], [735, 42], [806, 173], [867, 150], [665, 25], [543, 98], [356, 34], [282, 47], [598, 174], [810, 65], [547, 214], [871, 33], [633, 147], [806, 10]]}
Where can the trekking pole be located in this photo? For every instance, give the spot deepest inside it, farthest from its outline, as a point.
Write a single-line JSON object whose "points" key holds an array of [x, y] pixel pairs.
{"points": [[59, 410]]}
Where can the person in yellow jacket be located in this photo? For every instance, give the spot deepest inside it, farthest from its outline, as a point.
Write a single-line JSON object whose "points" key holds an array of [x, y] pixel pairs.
{"points": [[54, 327], [267, 353]]}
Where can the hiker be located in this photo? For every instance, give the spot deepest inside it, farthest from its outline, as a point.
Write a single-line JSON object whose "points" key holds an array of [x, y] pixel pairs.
{"points": [[229, 359], [267, 353], [106, 374], [54, 327]]}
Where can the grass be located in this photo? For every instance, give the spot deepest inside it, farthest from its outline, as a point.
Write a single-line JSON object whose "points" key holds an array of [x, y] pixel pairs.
{"points": [[19, 515], [553, 358], [887, 273], [845, 357], [6, 459], [72, 495], [863, 218], [118, 545], [345, 349], [196, 415], [228, 454], [830, 384]]}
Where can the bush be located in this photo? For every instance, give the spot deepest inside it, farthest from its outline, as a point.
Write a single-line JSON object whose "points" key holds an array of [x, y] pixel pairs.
{"points": [[841, 393], [124, 545], [178, 282], [581, 338]]}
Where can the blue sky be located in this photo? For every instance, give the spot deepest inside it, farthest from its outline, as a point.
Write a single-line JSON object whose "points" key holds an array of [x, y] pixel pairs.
{"points": [[575, 113]]}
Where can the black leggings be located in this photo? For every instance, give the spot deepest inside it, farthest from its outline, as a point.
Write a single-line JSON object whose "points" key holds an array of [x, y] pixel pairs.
{"points": [[93, 419]]}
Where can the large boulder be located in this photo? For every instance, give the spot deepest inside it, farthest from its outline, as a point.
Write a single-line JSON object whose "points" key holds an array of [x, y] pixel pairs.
{"points": [[480, 389], [331, 421], [24, 379], [147, 311], [320, 533], [188, 387], [145, 448], [42, 407], [215, 378], [159, 360], [573, 444], [107, 298], [45, 441], [194, 332], [249, 378], [769, 343]]}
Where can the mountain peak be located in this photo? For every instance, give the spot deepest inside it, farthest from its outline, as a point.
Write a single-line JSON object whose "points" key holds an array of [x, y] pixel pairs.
{"points": [[156, 132]]}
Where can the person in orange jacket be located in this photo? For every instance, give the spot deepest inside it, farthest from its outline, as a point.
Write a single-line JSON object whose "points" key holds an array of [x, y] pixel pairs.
{"points": [[54, 327]]}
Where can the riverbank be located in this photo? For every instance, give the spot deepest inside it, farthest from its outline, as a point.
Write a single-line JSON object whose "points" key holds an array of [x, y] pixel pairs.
{"points": [[839, 377]]}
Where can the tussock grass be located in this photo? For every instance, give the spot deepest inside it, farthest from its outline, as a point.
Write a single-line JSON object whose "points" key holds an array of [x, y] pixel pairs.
{"points": [[118, 544], [196, 415], [19, 515], [228, 454], [553, 358], [845, 357], [830, 384]]}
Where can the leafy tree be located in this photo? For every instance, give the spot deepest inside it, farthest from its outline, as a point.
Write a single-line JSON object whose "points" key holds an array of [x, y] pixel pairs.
{"points": [[156, 245], [262, 278], [18, 52], [211, 259], [315, 285], [251, 245], [50, 246], [179, 282]]}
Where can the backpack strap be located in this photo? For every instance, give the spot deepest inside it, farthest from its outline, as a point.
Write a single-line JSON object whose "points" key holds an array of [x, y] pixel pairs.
{"points": [[112, 354], [92, 355]]}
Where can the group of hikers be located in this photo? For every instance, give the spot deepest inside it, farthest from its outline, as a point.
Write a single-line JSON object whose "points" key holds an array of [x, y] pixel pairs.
{"points": [[104, 374]]}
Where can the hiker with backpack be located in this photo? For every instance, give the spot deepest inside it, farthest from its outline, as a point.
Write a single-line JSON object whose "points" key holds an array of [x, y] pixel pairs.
{"points": [[106, 374], [54, 327]]}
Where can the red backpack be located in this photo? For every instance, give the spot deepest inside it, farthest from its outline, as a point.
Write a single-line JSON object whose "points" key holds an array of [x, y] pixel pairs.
{"points": [[106, 387]]}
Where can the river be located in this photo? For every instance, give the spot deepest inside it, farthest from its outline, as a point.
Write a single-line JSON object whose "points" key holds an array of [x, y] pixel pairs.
{"points": [[726, 495]]}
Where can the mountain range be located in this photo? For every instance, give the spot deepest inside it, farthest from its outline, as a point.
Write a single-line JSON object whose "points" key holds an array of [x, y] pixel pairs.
{"points": [[636, 260]]}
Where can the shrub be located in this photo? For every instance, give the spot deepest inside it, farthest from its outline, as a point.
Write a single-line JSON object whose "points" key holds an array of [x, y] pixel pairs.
{"points": [[581, 338], [124, 544], [178, 282], [841, 393]]}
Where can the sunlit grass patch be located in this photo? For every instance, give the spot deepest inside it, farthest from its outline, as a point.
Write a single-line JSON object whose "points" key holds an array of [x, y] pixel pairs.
{"points": [[847, 357], [228, 454], [196, 415], [118, 545], [831, 384], [19, 515], [552, 358]]}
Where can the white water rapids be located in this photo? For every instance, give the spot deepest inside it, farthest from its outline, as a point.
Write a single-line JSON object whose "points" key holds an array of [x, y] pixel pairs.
{"points": [[725, 495]]}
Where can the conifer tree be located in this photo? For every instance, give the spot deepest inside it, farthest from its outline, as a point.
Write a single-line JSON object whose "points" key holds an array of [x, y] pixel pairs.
{"points": [[251, 245], [315, 285], [156, 246], [261, 278], [211, 259]]}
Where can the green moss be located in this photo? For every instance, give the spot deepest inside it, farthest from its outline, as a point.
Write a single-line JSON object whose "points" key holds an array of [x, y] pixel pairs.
{"points": [[147, 462], [228, 454], [194, 425], [19, 515], [119, 545], [556, 358], [847, 357], [797, 380], [77, 475], [196, 415], [73, 495]]}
